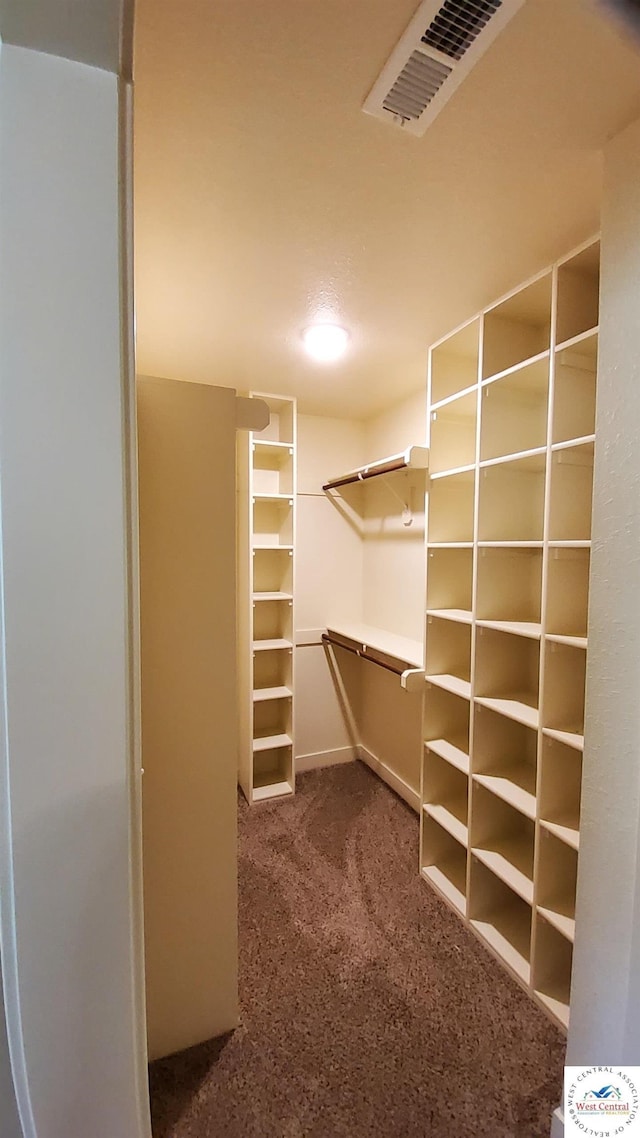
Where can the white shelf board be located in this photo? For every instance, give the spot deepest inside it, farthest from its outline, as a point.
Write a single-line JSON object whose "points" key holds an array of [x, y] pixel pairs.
{"points": [[578, 544], [509, 791], [268, 444], [571, 738], [451, 683], [461, 616], [567, 831], [569, 444], [468, 469], [270, 545], [450, 545], [517, 627], [517, 367], [574, 341], [510, 544], [400, 648], [513, 707], [273, 497], [442, 880], [518, 456], [560, 921], [506, 937], [448, 820], [452, 754], [271, 645], [499, 861], [272, 790], [273, 596], [556, 1002], [260, 695], [453, 398], [271, 742], [572, 641]]}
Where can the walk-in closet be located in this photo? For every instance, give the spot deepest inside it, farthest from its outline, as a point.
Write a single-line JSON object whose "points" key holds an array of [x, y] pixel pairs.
{"points": [[397, 336]]}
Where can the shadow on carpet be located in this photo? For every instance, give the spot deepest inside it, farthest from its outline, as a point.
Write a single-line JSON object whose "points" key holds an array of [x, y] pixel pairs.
{"points": [[367, 1009]]}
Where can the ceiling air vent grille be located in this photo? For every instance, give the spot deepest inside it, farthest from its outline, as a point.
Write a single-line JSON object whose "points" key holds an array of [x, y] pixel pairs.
{"points": [[420, 79], [426, 67], [455, 27]]}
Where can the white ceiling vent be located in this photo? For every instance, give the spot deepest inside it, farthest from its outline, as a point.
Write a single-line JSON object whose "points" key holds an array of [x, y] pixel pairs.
{"points": [[440, 46]]}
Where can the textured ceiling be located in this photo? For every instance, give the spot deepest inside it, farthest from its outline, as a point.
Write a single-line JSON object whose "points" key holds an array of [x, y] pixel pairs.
{"points": [[264, 196]]}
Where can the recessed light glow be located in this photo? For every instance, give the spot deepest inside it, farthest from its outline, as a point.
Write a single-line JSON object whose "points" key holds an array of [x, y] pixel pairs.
{"points": [[325, 342]]}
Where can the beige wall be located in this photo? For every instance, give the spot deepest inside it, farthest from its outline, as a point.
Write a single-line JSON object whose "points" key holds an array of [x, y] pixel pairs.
{"points": [[328, 585], [393, 594]]}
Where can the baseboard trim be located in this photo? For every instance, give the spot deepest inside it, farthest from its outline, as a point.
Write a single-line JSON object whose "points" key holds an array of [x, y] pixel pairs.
{"points": [[325, 759], [557, 1124], [402, 788]]}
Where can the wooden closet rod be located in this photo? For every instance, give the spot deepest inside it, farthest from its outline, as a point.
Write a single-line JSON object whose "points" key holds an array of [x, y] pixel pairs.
{"points": [[328, 639], [413, 458]]}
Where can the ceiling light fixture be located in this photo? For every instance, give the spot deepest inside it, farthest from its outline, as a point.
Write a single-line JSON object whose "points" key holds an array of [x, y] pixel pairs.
{"points": [[325, 342]]}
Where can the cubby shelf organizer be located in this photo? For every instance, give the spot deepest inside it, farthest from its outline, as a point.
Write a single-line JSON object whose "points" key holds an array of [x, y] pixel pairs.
{"points": [[266, 574], [511, 412]]}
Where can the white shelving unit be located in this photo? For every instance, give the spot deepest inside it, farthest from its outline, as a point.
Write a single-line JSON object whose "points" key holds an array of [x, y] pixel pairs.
{"points": [[266, 573], [511, 412]]}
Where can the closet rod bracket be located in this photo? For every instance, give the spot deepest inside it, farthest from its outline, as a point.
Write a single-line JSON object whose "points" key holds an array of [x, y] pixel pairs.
{"points": [[405, 502], [412, 680]]}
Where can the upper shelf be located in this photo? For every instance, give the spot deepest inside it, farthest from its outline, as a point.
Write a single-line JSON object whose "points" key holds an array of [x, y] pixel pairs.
{"points": [[413, 458], [399, 648]]}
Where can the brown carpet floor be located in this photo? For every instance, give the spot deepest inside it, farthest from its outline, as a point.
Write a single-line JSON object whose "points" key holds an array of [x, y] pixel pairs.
{"points": [[367, 1009]]}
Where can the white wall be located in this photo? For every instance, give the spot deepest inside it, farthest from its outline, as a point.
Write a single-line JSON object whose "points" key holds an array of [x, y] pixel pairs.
{"points": [[328, 586], [67, 954], [605, 1019]]}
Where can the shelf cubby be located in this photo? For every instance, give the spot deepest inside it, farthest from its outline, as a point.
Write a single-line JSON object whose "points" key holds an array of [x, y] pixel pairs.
{"points": [[443, 861], [509, 589], [272, 468], [273, 772], [272, 719], [448, 662], [512, 500], [568, 593], [574, 390], [447, 725], [578, 293], [454, 363], [273, 522], [501, 918], [560, 788], [571, 493], [453, 434], [450, 582], [445, 794], [502, 838], [281, 422], [552, 970], [504, 759], [272, 621], [564, 687], [557, 879], [507, 674], [517, 328], [272, 571], [272, 675], [451, 508], [514, 411]]}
